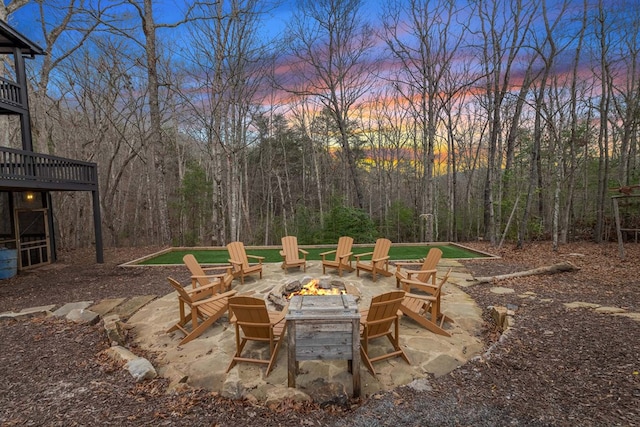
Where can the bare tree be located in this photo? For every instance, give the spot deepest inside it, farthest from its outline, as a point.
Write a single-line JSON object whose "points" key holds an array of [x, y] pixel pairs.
{"points": [[6, 10], [603, 34], [54, 29], [426, 47], [575, 140], [330, 43], [100, 83], [504, 27], [229, 64], [548, 50], [626, 97], [304, 114]]}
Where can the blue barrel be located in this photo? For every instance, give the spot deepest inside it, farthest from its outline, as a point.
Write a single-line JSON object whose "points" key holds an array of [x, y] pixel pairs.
{"points": [[8, 263]]}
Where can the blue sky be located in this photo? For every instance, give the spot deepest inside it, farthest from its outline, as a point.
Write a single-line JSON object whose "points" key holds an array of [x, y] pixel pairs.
{"points": [[166, 11], [25, 20]]}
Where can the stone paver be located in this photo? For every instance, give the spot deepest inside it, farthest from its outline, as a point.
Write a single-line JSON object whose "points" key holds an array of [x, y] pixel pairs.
{"points": [[501, 290], [610, 310], [634, 316], [129, 307], [106, 305], [204, 360], [581, 304], [68, 307], [80, 315], [27, 312]]}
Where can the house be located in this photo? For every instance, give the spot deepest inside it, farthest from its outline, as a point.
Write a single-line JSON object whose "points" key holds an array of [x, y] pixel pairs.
{"points": [[26, 177]]}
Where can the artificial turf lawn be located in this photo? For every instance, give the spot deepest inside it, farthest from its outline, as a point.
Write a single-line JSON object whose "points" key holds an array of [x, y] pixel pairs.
{"points": [[221, 256]]}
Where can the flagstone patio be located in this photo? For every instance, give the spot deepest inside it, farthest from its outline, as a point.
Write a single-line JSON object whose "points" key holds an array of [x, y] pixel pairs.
{"points": [[204, 360]]}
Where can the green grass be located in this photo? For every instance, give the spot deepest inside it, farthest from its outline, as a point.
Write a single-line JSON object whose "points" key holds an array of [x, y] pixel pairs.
{"points": [[221, 256]]}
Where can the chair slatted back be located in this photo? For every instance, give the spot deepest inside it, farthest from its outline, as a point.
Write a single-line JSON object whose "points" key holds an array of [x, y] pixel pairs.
{"points": [[238, 253], [178, 287], [196, 270], [344, 247], [290, 248], [430, 263], [381, 250], [383, 311], [252, 316]]}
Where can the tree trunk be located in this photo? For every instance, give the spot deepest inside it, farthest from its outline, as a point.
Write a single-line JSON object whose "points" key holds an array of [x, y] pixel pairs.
{"points": [[156, 145], [561, 267]]}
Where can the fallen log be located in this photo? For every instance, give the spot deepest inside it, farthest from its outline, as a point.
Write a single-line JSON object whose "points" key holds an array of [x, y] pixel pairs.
{"points": [[560, 267]]}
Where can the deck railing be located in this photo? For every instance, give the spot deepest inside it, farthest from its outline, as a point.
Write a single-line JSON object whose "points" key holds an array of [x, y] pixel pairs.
{"points": [[24, 168], [10, 92]]}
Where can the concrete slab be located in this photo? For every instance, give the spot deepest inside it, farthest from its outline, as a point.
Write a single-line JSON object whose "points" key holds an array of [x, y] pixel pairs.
{"points": [[204, 360]]}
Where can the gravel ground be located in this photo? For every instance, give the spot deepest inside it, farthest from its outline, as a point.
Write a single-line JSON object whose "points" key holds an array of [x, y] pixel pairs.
{"points": [[556, 367]]}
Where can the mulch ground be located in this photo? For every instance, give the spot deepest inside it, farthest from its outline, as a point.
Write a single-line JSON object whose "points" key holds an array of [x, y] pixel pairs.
{"points": [[556, 367]]}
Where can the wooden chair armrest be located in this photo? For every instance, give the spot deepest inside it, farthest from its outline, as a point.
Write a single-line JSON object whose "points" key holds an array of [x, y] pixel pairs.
{"points": [[348, 256], [202, 289], [259, 258], [412, 272], [424, 271], [234, 262], [303, 251], [422, 297], [279, 317], [218, 267], [329, 252], [384, 258], [402, 263], [426, 287], [419, 283], [357, 256], [207, 276], [215, 298], [376, 321]]}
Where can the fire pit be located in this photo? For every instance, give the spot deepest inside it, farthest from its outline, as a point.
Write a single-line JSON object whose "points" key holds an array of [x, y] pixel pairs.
{"points": [[311, 286], [324, 327]]}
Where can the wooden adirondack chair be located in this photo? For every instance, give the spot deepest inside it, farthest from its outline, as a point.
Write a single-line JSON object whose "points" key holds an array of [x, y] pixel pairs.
{"points": [[376, 322], [205, 304], [427, 270], [291, 254], [240, 261], [379, 263], [199, 276], [253, 322], [424, 308], [343, 255]]}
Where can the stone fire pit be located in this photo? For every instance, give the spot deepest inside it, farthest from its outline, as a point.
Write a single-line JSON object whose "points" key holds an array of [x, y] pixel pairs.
{"points": [[279, 297]]}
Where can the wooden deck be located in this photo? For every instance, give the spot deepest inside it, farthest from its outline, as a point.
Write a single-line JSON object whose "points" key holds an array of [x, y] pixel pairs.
{"points": [[21, 169]]}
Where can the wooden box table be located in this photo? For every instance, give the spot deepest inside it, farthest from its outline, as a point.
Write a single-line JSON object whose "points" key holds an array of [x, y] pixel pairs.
{"points": [[324, 327]]}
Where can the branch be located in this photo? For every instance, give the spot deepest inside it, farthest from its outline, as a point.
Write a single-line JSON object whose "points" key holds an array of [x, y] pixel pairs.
{"points": [[550, 269]]}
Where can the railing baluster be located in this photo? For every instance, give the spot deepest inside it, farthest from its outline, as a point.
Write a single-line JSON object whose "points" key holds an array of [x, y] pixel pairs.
{"points": [[9, 92], [20, 165]]}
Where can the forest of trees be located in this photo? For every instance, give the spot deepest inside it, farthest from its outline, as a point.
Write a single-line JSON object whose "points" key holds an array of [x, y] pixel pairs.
{"points": [[418, 120]]}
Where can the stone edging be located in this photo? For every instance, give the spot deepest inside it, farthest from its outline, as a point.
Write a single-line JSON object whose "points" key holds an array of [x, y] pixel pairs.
{"points": [[139, 367]]}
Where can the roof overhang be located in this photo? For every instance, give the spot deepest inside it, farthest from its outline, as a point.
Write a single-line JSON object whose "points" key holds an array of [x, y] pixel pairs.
{"points": [[11, 39]]}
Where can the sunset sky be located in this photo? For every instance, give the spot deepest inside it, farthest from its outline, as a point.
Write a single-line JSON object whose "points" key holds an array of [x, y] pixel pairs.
{"points": [[278, 13]]}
